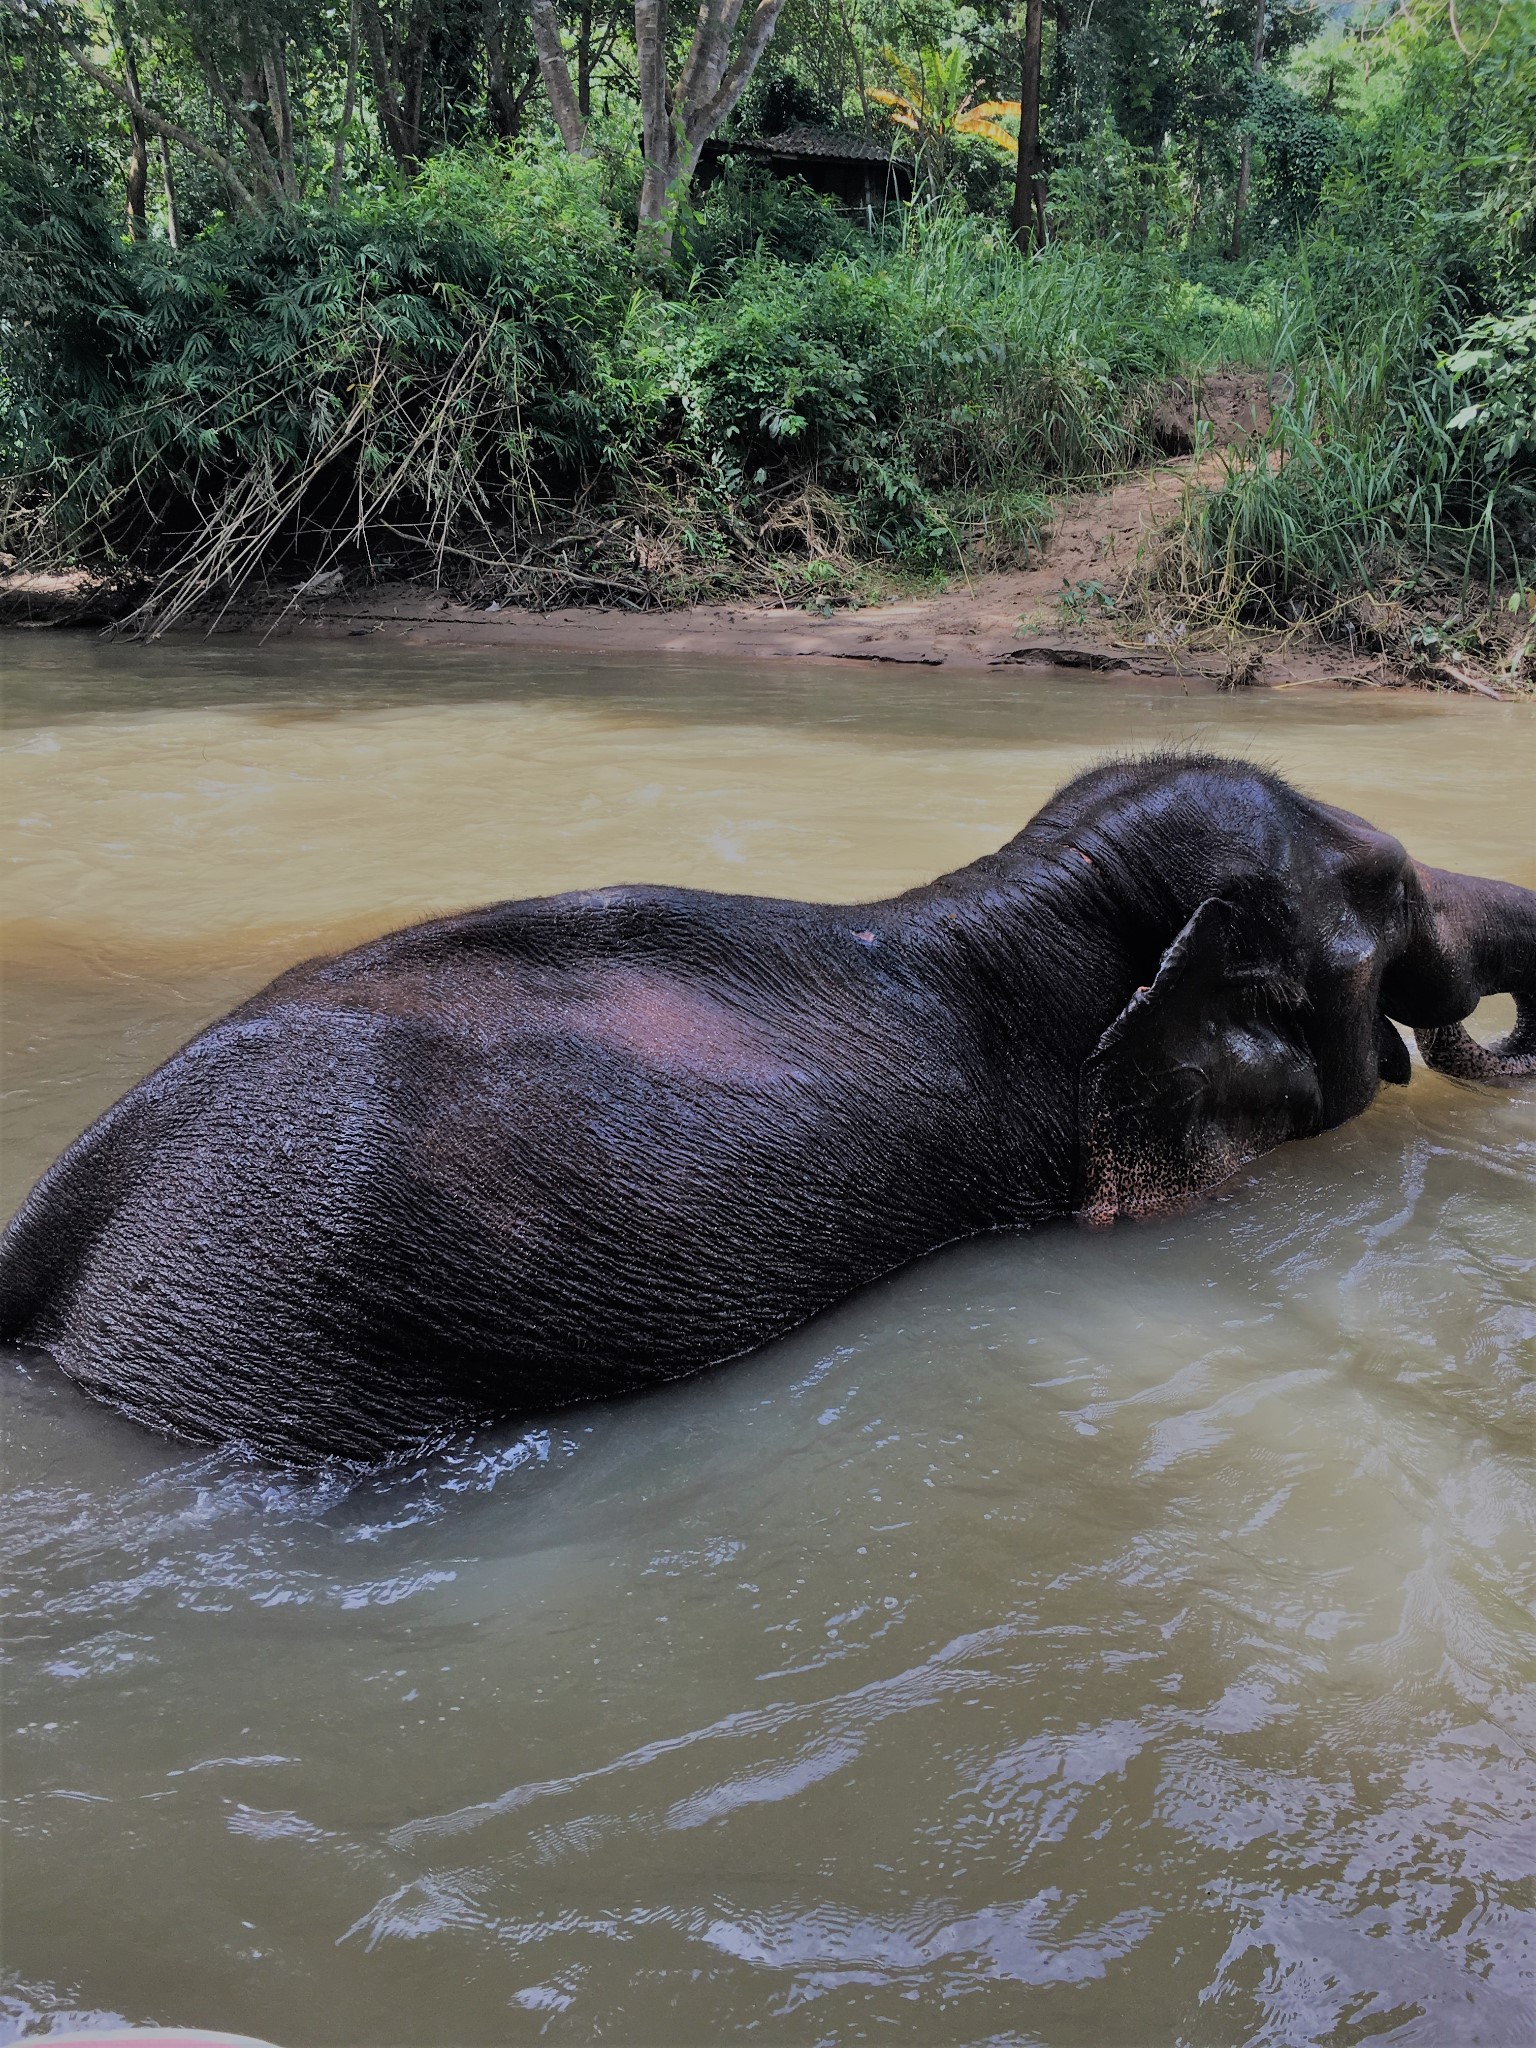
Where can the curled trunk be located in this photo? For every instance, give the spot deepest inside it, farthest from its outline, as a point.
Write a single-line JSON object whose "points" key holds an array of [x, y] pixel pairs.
{"points": [[1453, 1050], [1476, 938]]}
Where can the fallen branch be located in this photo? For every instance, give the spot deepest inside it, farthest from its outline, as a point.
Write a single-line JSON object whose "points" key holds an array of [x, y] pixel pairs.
{"points": [[170, 131], [1471, 682]]}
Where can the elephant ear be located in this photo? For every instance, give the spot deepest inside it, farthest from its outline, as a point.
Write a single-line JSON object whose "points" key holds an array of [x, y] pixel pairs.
{"points": [[1200, 1073]]}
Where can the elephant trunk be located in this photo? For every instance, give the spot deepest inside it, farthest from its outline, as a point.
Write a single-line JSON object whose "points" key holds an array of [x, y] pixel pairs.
{"points": [[1476, 938]]}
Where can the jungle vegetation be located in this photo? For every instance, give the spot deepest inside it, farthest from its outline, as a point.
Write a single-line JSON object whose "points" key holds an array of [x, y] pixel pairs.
{"points": [[438, 288]]}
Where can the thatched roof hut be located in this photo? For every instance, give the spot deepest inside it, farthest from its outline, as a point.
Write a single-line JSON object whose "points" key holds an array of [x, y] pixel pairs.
{"points": [[856, 170]]}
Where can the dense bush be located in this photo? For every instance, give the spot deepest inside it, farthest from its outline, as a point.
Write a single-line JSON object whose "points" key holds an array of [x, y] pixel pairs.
{"points": [[432, 361], [747, 212], [941, 366], [445, 364]]}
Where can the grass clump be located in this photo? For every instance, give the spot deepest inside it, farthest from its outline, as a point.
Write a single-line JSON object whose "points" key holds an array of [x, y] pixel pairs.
{"points": [[1377, 476]]}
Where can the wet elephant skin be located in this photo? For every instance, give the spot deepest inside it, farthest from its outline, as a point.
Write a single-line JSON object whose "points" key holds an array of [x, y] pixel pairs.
{"points": [[556, 1149]]}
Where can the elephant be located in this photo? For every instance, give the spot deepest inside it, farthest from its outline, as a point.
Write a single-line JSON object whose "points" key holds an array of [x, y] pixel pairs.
{"points": [[564, 1148]]}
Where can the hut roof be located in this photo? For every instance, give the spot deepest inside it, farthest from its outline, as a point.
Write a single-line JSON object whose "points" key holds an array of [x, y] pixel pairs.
{"points": [[823, 144]]}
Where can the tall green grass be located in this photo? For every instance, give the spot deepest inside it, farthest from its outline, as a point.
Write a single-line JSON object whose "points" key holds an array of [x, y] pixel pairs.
{"points": [[1364, 482], [930, 384]]}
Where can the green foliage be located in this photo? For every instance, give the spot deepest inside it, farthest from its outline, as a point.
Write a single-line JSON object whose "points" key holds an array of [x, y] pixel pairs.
{"points": [[1217, 328], [1364, 481], [945, 364], [438, 363], [749, 212], [386, 328], [1083, 603], [1438, 164], [1107, 190], [539, 206], [1496, 364], [1297, 147], [424, 364], [1405, 457]]}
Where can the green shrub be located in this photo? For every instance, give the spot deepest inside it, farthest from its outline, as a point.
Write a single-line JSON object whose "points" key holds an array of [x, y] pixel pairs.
{"points": [[898, 376], [444, 364], [1217, 328], [747, 211], [426, 364], [1368, 479], [1495, 370]]}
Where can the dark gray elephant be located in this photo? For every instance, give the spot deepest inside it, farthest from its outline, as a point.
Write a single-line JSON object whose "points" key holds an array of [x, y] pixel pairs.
{"points": [[555, 1149]]}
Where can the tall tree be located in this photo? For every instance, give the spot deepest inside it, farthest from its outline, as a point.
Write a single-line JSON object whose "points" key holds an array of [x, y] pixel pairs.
{"points": [[1028, 195], [138, 158], [677, 117], [564, 104], [396, 42], [1245, 159], [126, 91], [510, 75]]}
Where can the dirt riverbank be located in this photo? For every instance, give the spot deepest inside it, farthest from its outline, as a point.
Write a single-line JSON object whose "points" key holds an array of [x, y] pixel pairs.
{"points": [[1061, 612], [1064, 611]]}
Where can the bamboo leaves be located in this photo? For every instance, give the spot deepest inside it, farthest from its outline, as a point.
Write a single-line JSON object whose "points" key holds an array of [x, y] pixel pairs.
{"points": [[934, 107]]}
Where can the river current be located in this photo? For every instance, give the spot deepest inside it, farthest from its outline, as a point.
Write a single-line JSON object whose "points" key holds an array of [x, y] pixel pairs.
{"points": [[1097, 1638]]}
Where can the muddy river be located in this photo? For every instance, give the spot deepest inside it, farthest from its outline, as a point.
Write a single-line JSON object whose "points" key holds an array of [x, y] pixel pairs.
{"points": [[1079, 1638]]}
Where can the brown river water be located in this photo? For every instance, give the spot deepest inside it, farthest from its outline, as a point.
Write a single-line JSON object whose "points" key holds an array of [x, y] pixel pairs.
{"points": [[1078, 1638]]}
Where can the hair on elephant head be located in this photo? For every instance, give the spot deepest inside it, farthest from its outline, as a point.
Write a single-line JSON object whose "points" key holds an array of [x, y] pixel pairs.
{"points": [[557, 1148]]}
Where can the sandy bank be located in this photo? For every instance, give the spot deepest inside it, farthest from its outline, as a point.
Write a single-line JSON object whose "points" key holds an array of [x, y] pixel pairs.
{"points": [[1046, 616], [1056, 614]]}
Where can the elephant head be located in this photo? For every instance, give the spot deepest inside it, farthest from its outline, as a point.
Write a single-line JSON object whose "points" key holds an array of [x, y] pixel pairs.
{"points": [[1302, 936]]}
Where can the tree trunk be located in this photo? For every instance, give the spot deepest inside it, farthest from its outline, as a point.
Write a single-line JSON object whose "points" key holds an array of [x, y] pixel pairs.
{"points": [[658, 135], [712, 81], [1026, 177], [584, 60], [503, 112], [385, 98], [138, 134], [138, 181], [545, 23], [1240, 205], [675, 122], [413, 64], [168, 188], [857, 54], [281, 113], [1245, 161], [159, 125], [348, 107], [268, 171]]}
